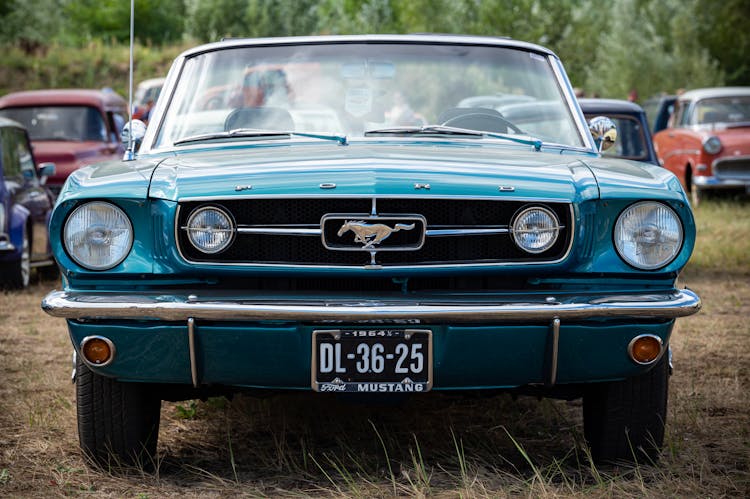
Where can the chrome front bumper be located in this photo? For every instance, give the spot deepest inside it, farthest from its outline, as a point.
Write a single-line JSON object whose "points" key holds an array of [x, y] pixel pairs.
{"points": [[706, 182], [433, 309]]}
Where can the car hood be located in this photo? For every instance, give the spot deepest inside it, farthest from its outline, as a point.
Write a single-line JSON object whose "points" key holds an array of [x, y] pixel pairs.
{"points": [[405, 169], [371, 170]]}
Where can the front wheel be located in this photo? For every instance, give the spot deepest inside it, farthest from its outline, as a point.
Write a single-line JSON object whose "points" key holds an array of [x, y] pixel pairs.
{"points": [[118, 423], [624, 420]]}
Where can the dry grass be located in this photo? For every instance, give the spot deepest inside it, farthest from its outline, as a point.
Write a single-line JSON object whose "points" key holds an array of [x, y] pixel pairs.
{"points": [[436, 446]]}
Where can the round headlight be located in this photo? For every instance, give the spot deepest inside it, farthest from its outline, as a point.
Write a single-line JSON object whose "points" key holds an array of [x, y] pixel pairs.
{"points": [[210, 229], [535, 229], [712, 145], [648, 235], [98, 235]]}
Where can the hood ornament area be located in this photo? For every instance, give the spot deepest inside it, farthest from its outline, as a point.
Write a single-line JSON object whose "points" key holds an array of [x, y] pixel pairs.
{"points": [[372, 233]]}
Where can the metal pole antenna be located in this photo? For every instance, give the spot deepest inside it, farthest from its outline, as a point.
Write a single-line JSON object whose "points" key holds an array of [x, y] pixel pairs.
{"points": [[130, 152]]}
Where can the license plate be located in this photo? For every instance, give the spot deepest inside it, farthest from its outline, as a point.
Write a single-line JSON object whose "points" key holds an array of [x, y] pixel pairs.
{"points": [[372, 360]]}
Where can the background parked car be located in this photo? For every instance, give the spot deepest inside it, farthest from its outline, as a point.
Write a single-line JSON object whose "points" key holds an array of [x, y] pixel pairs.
{"points": [[658, 110], [25, 207], [633, 136], [71, 128], [708, 143], [145, 97]]}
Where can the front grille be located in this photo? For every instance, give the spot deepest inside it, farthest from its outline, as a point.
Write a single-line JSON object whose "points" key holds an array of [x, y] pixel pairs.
{"points": [[736, 168], [440, 215]]}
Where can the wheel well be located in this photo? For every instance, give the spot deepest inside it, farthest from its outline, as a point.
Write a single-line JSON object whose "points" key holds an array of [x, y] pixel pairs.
{"points": [[689, 177]]}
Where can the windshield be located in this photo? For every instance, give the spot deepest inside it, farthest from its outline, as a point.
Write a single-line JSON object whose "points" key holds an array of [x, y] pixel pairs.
{"points": [[77, 123], [348, 89], [722, 110]]}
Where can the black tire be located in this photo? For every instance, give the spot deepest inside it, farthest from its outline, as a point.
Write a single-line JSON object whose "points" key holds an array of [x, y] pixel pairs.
{"points": [[624, 420], [118, 423], [17, 274]]}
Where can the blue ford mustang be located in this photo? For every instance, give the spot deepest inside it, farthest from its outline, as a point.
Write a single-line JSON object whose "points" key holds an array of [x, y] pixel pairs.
{"points": [[346, 214]]}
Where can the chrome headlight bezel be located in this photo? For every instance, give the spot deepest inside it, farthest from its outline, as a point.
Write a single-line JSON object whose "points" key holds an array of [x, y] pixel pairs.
{"points": [[230, 229], [667, 235], [712, 145], [552, 228], [85, 233]]}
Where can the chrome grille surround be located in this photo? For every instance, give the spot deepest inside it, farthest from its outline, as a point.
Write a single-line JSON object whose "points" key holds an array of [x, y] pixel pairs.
{"points": [[286, 232], [732, 168]]}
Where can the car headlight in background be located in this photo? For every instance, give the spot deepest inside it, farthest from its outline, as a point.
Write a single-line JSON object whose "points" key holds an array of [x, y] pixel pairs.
{"points": [[648, 235], [712, 145], [210, 229], [535, 229], [98, 235]]}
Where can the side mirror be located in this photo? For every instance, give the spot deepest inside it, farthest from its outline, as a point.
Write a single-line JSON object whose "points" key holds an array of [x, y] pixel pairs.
{"points": [[604, 132], [45, 170], [138, 132]]}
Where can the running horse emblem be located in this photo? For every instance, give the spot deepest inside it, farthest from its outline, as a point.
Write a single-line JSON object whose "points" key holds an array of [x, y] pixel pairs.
{"points": [[370, 234]]}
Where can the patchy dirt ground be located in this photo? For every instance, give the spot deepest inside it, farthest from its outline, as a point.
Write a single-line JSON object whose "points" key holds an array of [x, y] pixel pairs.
{"points": [[437, 446]]}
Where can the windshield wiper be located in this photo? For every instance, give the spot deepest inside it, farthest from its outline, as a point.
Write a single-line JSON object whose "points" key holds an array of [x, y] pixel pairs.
{"points": [[450, 130], [257, 132]]}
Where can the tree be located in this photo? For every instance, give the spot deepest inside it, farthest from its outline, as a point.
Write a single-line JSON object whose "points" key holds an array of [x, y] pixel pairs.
{"points": [[156, 21], [29, 23]]}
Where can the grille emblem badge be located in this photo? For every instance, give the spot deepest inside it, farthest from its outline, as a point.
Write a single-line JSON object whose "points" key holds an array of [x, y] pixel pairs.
{"points": [[370, 234], [373, 233]]}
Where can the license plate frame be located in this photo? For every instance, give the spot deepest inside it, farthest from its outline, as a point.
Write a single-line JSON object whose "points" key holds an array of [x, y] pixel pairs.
{"points": [[348, 355]]}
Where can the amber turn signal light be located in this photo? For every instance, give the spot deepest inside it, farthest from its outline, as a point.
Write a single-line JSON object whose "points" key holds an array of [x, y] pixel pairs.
{"points": [[645, 349], [97, 350]]}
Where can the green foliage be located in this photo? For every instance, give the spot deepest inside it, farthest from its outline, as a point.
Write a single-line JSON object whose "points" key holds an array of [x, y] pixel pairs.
{"points": [[608, 49], [94, 65], [29, 24], [157, 21], [658, 54], [724, 29]]}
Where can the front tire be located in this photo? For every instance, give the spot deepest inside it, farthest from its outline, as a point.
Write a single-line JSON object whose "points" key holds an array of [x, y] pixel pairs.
{"points": [[118, 423], [624, 420]]}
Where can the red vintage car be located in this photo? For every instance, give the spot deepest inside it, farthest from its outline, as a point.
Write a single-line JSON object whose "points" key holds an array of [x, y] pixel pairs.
{"points": [[707, 142], [71, 128]]}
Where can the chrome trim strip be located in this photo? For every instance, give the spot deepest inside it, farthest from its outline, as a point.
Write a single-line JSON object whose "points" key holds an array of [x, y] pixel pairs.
{"points": [[102, 305], [573, 107], [191, 346], [678, 152], [706, 182], [555, 348], [465, 232], [374, 197], [278, 231]]}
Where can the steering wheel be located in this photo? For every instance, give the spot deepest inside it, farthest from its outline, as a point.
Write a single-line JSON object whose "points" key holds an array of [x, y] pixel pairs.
{"points": [[483, 122]]}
